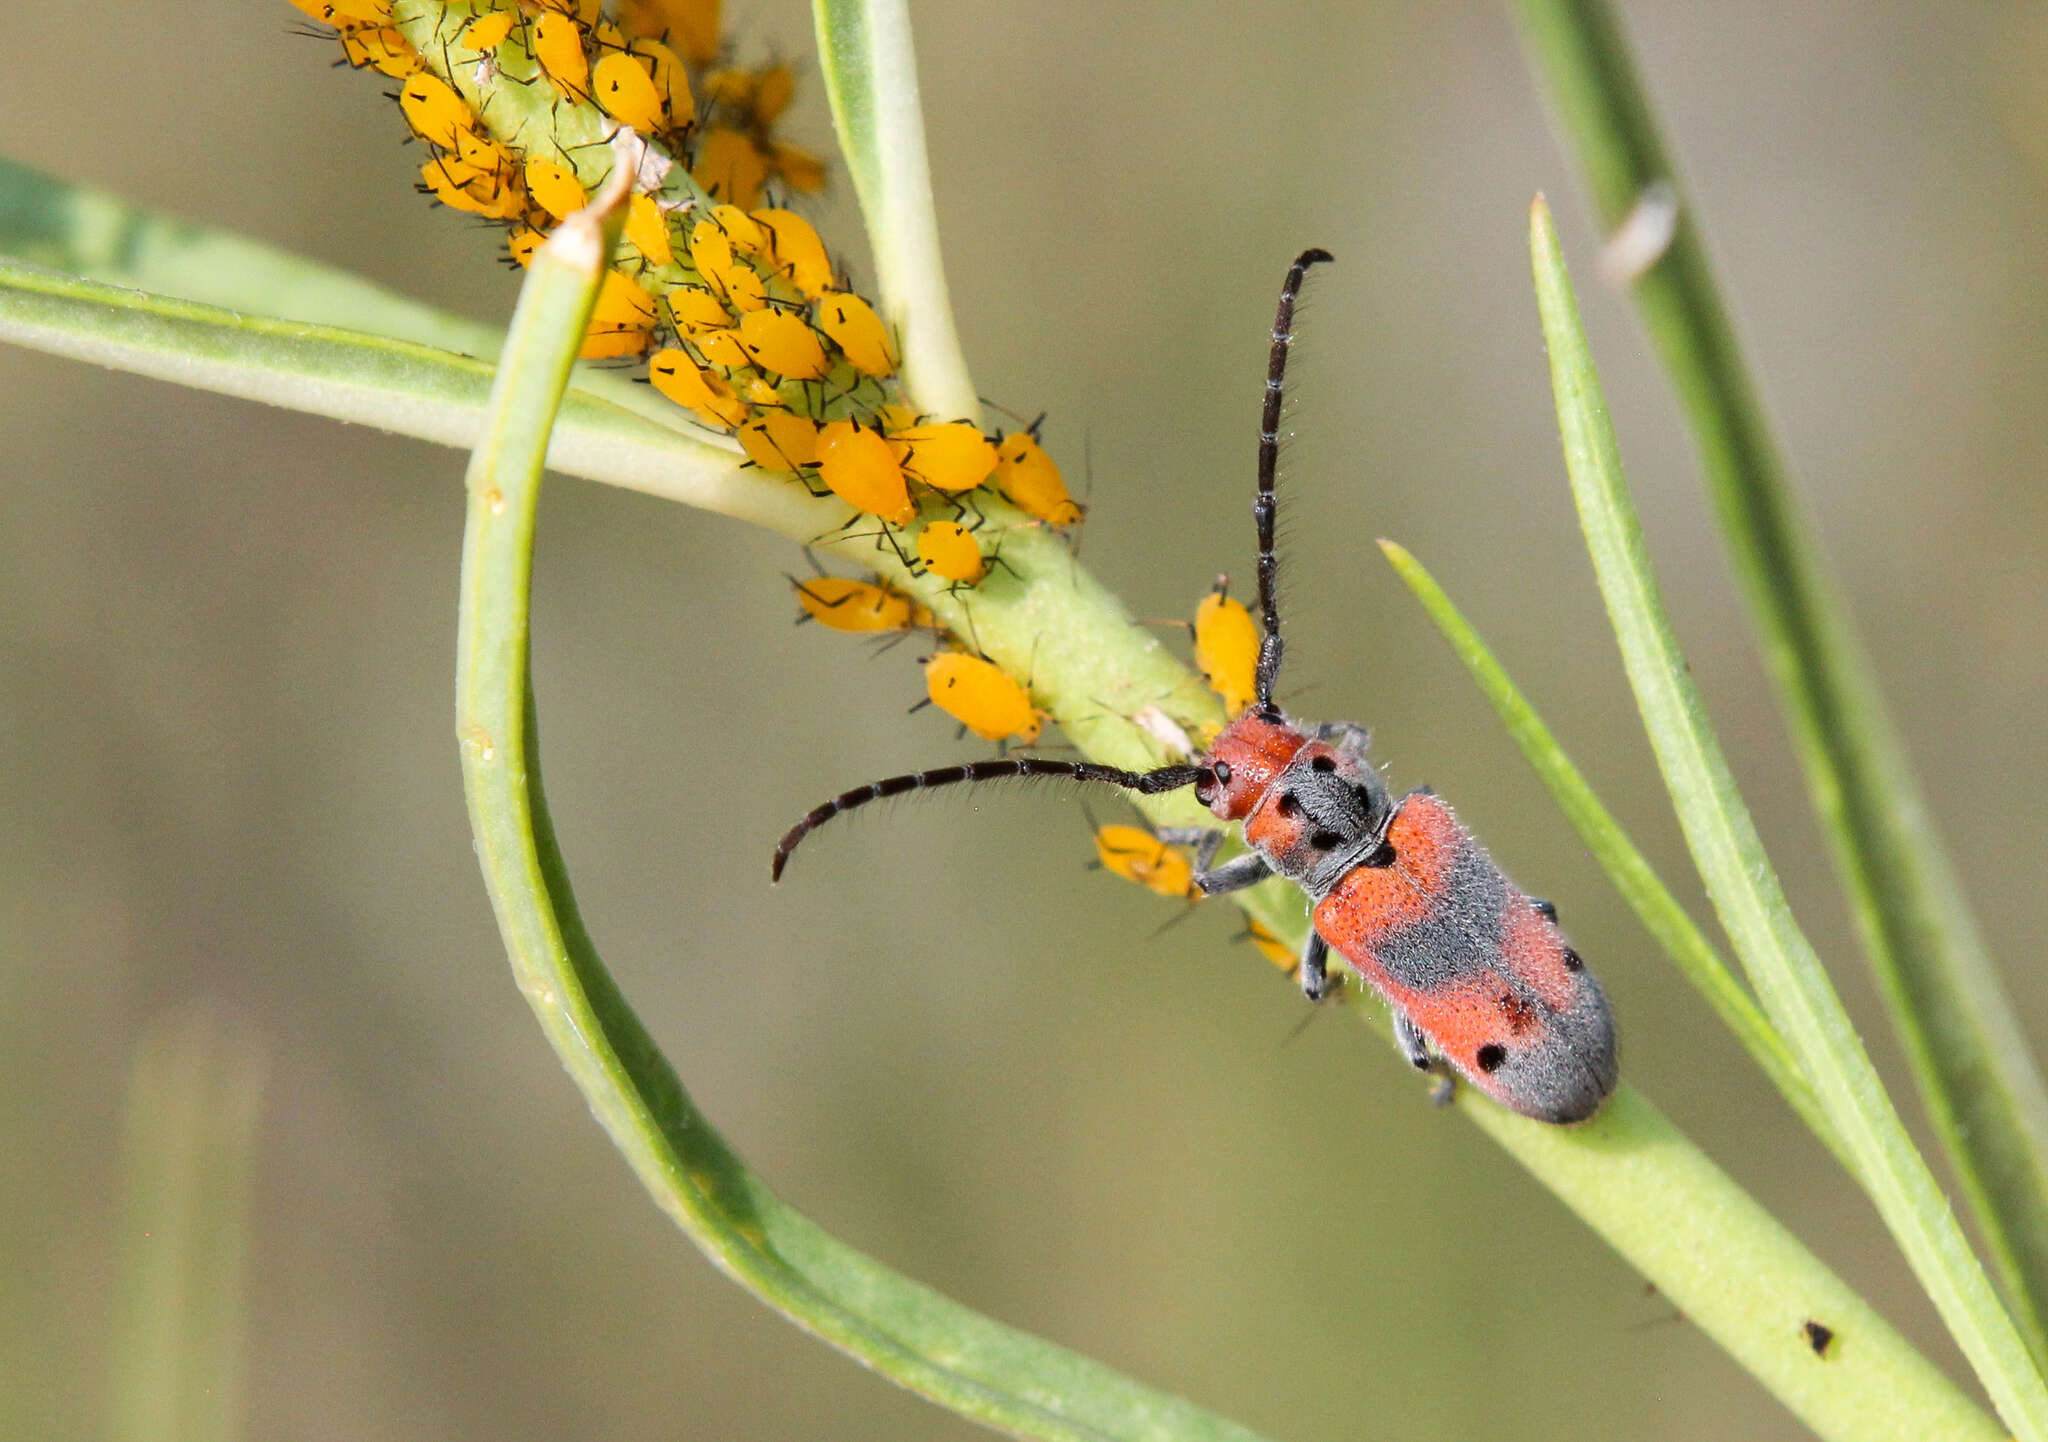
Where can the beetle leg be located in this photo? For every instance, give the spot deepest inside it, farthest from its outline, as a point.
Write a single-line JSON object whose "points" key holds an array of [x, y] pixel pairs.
{"points": [[1415, 1046], [1233, 875], [1206, 840], [1351, 738], [1408, 1036], [1314, 973]]}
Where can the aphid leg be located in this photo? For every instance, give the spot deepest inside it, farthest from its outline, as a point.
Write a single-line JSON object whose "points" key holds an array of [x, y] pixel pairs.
{"points": [[1313, 971], [1545, 909]]}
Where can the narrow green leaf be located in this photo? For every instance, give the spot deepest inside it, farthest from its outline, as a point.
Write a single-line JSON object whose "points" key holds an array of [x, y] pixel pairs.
{"points": [[89, 233], [870, 67], [927, 1343], [178, 1339], [1976, 1076], [1788, 977], [395, 385], [1626, 868]]}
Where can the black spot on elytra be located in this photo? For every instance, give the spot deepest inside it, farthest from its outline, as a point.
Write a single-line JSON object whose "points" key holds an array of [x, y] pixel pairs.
{"points": [[1573, 961], [1364, 794], [1287, 805], [1381, 855], [1323, 763], [1491, 1056], [1819, 1336], [1324, 840]]}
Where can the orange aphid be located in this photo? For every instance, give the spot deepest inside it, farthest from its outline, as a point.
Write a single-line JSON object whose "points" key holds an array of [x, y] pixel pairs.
{"points": [[647, 229], [622, 322], [1227, 648], [435, 109], [383, 48], [858, 332], [711, 253], [947, 456], [671, 81], [1137, 855], [487, 32], [983, 697], [800, 170], [558, 48], [863, 470], [842, 604], [783, 344], [730, 167], [948, 549], [347, 14], [692, 309], [780, 441], [691, 25], [744, 288], [740, 228], [627, 93], [1270, 946], [796, 250], [554, 188], [774, 88], [495, 194], [523, 242], [679, 378], [1029, 477], [722, 347]]}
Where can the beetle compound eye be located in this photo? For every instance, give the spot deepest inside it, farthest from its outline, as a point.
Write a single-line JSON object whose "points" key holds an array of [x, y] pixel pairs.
{"points": [[1222, 773]]}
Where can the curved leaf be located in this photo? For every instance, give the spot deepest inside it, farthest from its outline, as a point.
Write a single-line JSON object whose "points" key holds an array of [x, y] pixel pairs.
{"points": [[922, 1340]]}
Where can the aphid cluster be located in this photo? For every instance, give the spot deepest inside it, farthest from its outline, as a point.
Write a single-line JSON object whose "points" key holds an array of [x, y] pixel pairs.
{"points": [[1477, 973], [735, 304]]}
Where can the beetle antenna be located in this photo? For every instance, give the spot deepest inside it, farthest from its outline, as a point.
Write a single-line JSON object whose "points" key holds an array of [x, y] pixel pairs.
{"points": [[1150, 783], [1269, 465]]}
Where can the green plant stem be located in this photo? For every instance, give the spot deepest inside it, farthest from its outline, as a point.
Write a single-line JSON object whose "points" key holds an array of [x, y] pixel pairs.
{"points": [[1626, 868], [1788, 977], [870, 67], [1975, 1073]]}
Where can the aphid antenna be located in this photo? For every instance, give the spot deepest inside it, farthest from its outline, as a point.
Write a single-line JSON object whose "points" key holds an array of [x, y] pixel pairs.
{"points": [[1001, 409], [1263, 509], [1145, 783]]}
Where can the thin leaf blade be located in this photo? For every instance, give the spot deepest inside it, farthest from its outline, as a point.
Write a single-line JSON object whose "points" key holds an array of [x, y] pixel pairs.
{"points": [[870, 67], [1976, 1074], [1788, 977]]}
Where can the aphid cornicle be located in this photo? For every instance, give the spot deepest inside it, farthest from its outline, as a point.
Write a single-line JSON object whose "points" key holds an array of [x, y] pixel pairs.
{"points": [[1475, 971]]}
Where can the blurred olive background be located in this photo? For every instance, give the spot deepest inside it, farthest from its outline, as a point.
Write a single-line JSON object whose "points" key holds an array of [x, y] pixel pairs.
{"points": [[230, 777]]}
